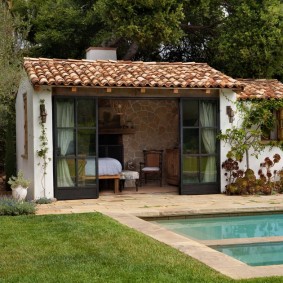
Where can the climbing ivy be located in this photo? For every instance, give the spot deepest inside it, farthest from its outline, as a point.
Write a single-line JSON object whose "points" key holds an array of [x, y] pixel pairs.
{"points": [[261, 113], [256, 119]]}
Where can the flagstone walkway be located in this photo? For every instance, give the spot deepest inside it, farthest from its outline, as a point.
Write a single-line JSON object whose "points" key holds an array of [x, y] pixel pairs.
{"points": [[160, 204]]}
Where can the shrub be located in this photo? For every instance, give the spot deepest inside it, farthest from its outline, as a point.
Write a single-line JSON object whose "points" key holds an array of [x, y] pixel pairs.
{"points": [[43, 200], [244, 183], [232, 174], [267, 177], [231, 167], [12, 207], [267, 164], [10, 156], [19, 180], [279, 183]]}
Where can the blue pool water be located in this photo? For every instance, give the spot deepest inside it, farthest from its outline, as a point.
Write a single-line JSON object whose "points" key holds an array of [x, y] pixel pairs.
{"points": [[259, 254], [229, 227]]}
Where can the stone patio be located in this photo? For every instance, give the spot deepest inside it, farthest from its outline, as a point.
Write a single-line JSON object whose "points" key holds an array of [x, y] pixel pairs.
{"points": [[162, 201]]}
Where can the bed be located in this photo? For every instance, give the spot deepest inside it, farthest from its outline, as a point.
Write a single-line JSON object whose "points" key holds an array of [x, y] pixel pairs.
{"points": [[109, 164]]}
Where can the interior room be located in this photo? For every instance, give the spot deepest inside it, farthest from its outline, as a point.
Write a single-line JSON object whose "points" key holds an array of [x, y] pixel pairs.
{"points": [[128, 127]]}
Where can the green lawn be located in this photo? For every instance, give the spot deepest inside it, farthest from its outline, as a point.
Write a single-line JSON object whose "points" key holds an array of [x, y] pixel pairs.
{"points": [[92, 248]]}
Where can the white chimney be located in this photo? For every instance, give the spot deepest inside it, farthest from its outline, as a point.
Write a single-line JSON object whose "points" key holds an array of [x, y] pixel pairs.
{"points": [[101, 53]]}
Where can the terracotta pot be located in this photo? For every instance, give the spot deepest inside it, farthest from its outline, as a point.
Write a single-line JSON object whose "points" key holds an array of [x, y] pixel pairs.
{"points": [[19, 193]]}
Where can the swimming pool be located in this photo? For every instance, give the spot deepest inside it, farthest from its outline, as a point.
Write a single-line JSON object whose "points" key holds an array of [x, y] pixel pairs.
{"points": [[215, 230], [226, 227], [259, 254]]}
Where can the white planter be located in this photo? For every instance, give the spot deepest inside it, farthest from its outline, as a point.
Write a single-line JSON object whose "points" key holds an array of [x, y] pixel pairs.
{"points": [[19, 193]]}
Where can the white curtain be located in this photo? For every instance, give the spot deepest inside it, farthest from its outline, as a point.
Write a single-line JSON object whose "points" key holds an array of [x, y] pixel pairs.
{"points": [[65, 119], [207, 119]]}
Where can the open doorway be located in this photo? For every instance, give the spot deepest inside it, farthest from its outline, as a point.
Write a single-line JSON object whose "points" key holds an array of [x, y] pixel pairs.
{"points": [[143, 124]]}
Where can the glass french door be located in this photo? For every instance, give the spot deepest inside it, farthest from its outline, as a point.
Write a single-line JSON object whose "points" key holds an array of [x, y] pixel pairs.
{"points": [[200, 147], [75, 144]]}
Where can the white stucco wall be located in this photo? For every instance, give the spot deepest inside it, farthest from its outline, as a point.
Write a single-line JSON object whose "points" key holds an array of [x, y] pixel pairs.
{"points": [[29, 164], [226, 99]]}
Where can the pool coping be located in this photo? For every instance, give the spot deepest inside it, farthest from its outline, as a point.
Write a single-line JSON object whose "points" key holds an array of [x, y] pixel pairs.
{"points": [[198, 249]]}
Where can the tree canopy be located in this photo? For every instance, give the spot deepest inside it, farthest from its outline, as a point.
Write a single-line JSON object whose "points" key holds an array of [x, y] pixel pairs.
{"points": [[249, 42], [10, 62], [59, 29], [139, 23], [243, 38], [11, 48]]}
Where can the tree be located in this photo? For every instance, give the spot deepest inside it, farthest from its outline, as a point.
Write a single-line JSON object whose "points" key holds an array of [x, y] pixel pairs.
{"points": [[66, 28], [200, 26], [10, 63], [249, 43], [242, 38], [141, 24], [59, 29], [10, 74]]}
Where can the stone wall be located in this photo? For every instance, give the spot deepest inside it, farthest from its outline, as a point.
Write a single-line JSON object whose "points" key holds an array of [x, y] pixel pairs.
{"points": [[156, 124]]}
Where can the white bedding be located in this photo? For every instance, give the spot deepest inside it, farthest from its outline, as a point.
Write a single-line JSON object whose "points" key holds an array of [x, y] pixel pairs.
{"points": [[106, 166]]}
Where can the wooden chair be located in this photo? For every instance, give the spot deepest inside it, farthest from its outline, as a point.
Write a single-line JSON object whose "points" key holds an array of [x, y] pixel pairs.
{"points": [[152, 166]]}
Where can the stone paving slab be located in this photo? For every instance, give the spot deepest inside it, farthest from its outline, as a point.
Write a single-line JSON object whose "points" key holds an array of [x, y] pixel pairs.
{"points": [[128, 208], [145, 204]]}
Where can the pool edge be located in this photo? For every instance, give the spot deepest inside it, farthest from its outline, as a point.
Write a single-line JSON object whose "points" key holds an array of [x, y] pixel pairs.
{"points": [[220, 262]]}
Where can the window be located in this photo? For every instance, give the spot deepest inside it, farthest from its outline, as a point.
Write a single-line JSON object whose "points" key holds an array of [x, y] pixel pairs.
{"points": [[277, 132]]}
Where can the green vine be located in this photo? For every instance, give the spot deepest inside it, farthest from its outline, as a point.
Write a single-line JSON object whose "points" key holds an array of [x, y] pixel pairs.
{"points": [[43, 151], [256, 119], [268, 121]]}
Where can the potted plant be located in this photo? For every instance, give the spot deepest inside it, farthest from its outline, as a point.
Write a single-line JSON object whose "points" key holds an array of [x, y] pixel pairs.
{"points": [[19, 186]]}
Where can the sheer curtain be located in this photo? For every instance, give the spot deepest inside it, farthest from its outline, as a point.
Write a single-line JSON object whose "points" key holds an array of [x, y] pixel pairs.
{"points": [[207, 119], [65, 119]]}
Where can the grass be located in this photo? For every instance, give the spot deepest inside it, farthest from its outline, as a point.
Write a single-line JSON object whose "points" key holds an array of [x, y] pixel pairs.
{"points": [[92, 248]]}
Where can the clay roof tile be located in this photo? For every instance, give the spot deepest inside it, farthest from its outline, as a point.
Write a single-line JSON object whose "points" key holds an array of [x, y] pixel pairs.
{"points": [[125, 73], [261, 89]]}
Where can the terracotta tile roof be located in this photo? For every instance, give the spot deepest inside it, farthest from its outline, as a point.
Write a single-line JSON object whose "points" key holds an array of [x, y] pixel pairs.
{"points": [[261, 89], [57, 72]]}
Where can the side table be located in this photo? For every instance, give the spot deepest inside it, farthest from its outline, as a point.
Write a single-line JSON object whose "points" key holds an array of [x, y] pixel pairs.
{"points": [[129, 175]]}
